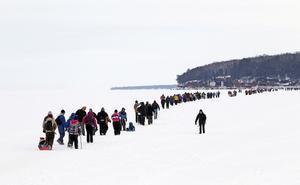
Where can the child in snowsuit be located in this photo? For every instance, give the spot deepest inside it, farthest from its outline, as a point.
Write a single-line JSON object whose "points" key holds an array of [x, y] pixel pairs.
{"points": [[74, 132]]}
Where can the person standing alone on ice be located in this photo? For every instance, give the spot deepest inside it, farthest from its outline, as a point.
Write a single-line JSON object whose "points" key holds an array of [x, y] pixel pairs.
{"points": [[202, 120]]}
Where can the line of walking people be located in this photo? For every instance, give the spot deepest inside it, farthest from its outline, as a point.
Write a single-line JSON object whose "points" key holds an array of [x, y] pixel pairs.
{"points": [[82, 123], [167, 101]]}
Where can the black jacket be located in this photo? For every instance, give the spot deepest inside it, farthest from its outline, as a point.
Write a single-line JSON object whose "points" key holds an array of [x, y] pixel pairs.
{"points": [[80, 113], [201, 117]]}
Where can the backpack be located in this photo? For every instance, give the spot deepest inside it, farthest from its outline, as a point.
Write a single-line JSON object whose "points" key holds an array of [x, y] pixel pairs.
{"points": [[74, 129], [58, 122], [49, 125], [90, 121]]}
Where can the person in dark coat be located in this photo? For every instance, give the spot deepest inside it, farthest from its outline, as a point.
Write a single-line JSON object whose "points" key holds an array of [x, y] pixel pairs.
{"points": [[167, 102], [142, 113], [149, 113], [201, 117], [156, 108], [135, 107], [103, 120], [49, 127], [80, 115]]}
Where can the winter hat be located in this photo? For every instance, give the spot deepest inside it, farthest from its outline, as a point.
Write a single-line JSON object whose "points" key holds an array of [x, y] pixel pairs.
{"points": [[62, 111], [49, 113], [90, 110], [102, 109]]}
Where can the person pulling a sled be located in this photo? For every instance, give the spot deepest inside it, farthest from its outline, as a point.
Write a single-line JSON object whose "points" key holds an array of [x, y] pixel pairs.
{"points": [[49, 127]]}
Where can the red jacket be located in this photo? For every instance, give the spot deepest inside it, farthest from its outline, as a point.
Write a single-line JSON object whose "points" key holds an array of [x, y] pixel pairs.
{"points": [[115, 117], [88, 117]]}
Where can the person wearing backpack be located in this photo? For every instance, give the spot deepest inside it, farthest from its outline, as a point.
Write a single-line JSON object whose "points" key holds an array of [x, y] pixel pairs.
{"points": [[116, 122], [103, 119], [61, 122], [90, 124], [49, 127], [123, 118], [68, 123], [74, 131]]}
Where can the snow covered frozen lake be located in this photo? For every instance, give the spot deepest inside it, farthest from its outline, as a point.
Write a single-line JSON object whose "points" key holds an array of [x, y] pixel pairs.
{"points": [[250, 140]]}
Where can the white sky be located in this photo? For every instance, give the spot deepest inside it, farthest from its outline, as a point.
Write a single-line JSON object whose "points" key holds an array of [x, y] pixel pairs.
{"points": [[76, 43]]}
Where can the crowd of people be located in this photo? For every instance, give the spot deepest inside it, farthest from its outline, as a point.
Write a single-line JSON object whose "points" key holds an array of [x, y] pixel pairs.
{"points": [[81, 123]]}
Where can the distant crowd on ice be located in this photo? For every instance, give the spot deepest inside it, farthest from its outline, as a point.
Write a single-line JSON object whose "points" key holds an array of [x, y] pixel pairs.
{"points": [[261, 90], [88, 123]]}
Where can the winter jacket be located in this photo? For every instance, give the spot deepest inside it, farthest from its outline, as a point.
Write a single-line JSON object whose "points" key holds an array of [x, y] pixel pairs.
{"points": [[62, 120], [123, 115], [149, 110], [102, 117], [142, 110], [115, 117], [90, 117], [54, 126], [81, 114], [68, 122], [155, 106], [201, 117], [75, 128]]}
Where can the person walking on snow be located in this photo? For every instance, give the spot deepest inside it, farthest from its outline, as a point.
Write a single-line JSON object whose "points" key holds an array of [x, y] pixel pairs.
{"points": [[116, 122], [61, 122], [74, 131], [156, 108], [90, 124], [201, 117], [80, 114], [123, 118], [49, 127], [103, 119]]}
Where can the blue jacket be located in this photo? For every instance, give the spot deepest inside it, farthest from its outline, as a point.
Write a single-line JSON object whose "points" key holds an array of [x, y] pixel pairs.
{"points": [[123, 115], [62, 120], [67, 124]]}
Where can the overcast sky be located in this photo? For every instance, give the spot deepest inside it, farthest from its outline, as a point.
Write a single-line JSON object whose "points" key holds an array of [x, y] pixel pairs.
{"points": [[77, 43]]}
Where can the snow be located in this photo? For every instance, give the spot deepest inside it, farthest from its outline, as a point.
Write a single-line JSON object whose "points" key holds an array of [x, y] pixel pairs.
{"points": [[249, 140]]}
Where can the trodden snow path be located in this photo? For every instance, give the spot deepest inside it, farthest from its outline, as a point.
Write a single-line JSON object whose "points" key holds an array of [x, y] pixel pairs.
{"points": [[248, 140]]}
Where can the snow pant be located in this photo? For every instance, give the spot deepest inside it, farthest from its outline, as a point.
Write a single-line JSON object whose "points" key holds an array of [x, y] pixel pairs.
{"points": [[201, 128], [73, 139], [167, 105], [136, 117], [117, 128], [142, 120], [163, 104], [155, 113], [49, 138], [89, 133], [61, 131], [82, 128], [150, 120], [123, 122], [103, 128]]}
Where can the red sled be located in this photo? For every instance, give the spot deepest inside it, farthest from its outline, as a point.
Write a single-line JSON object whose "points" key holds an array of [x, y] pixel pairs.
{"points": [[43, 145]]}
